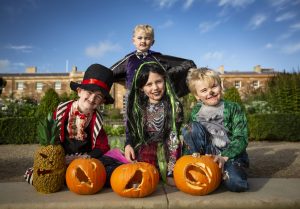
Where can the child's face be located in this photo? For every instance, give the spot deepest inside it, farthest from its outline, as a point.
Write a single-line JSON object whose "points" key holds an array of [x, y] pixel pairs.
{"points": [[155, 87], [208, 92], [142, 41], [88, 101]]}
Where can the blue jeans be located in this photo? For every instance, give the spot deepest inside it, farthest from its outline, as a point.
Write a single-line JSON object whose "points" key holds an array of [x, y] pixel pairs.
{"points": [[196, 137]]}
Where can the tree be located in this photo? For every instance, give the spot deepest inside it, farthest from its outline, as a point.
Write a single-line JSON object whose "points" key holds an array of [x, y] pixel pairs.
{"points": [[2, 84], [48, 103], [232, 94], [283, 92]]}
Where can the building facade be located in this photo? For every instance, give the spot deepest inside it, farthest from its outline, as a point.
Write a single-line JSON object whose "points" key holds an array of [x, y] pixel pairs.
{"points": [[33, 85]]}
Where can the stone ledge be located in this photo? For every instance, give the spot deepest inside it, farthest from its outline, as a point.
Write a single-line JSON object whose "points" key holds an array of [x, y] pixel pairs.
{"points": [[264, 193]]}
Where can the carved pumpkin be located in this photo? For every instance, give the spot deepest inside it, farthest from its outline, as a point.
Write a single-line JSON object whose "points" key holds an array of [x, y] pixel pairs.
{"points": [[137, 179], [85, 176], [197, 175], [49, 158], [49, 168]]}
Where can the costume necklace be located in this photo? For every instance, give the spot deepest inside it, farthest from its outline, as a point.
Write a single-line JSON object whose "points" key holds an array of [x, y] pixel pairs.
{"points": [[155, 116]]}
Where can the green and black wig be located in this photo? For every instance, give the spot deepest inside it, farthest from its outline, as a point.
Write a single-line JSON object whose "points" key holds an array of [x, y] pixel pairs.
{"points": [[137, 102]]}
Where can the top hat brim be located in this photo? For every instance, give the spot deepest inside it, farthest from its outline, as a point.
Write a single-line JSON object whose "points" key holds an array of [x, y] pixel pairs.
{"points": [[92, 87]]}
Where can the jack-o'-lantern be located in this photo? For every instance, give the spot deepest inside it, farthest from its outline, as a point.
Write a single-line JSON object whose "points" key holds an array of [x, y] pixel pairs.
{"points": [[197, 175], [138, 179], [85, 176], [49, 159]]}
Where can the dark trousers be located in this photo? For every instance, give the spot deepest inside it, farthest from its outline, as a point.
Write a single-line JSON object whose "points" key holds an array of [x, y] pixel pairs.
{"points": [[197, 139], [110, 165]]}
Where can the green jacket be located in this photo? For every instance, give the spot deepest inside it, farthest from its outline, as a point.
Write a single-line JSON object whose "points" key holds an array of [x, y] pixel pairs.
{"points": [[235, 122]]}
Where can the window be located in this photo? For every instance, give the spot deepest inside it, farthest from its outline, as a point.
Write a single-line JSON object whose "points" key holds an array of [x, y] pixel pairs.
{"points": [[125, 100], [39, 86], [237, 84], [255, 84], [57, 85], [20, 85]]}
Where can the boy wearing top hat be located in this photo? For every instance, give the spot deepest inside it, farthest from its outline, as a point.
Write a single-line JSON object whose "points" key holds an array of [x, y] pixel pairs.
{"points": [[80, 122]]}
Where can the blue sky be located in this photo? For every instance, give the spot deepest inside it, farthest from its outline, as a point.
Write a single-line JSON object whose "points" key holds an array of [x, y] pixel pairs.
{"points": [[55, 35]]}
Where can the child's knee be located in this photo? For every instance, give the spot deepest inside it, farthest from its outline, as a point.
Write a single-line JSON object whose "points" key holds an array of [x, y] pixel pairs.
{"points": [[236, 184], [235, 178]]}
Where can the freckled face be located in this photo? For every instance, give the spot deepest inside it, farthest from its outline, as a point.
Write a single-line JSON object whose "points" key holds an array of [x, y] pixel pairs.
{"points": [[88, 101], [208, 93], [155, 87], [142, 41]]}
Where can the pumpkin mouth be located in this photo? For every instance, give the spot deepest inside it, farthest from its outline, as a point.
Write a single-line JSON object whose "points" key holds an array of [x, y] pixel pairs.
{"points": [[82, 177], [135, 181], [43, 172], [196, 176]]}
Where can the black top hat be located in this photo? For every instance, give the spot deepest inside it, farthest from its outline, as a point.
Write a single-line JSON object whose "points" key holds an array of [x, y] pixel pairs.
{"points": [[96, 78]]}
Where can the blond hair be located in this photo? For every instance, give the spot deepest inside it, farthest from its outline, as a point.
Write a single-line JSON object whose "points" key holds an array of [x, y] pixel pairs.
{"points": [[147, 28], [201, 74]]}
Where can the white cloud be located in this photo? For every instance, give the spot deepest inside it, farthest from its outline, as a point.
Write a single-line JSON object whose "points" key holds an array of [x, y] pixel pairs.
{"points": [[187, 4], [101, 48], [257, 20], [165, 3], [167, 24], [213, 56], [208, 26], [20, 48], [235, 3], [269, 46], [19, 64], [4, 65], [280, 4], [295, 26], [285, 16], [291, 48], [290, 32]]}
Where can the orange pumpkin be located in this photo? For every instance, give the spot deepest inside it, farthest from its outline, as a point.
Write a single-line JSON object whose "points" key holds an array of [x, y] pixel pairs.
{"points": [[197, 175], [85, 176], [137, 179]]}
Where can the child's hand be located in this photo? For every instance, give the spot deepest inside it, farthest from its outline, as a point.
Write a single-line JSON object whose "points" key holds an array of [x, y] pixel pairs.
{"points": [[221, 161], [129, 153]]}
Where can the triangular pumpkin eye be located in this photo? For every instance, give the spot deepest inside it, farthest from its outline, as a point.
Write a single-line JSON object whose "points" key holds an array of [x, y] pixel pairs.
{"points": [[82, 178], [43, 155], [135, 181]]}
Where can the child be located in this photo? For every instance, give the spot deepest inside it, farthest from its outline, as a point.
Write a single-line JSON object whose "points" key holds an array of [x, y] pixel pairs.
{"points": [[154, 119], [80, 122], [143, 39], [218, 127]]}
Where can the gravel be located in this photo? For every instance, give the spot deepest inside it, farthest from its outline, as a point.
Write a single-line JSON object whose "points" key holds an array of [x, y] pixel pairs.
{"points": [[267, 159]]}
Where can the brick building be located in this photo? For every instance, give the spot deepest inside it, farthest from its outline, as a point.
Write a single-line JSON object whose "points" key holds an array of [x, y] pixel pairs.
{"points": [[33, 84]]}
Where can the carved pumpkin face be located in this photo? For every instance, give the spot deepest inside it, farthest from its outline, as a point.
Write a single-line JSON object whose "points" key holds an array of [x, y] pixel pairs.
{"points": [[85, 176], [49, 168], [197, 175], [137, 179]]}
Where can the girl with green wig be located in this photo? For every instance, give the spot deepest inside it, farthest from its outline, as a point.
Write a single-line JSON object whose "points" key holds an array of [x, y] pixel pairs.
{"points": [[154, 117]]}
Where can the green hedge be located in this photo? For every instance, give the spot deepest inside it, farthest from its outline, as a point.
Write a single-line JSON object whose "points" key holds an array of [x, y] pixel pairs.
{"points": [[270, 127], [262, 127], [20, 130]]}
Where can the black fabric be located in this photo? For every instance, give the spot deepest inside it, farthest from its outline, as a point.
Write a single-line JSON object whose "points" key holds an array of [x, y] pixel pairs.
{"points": [[100, 73], [110, 165], [176, 67]]}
